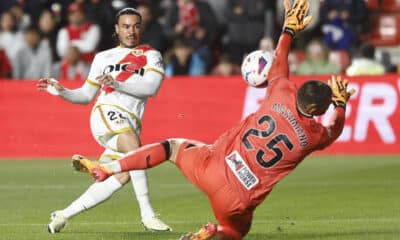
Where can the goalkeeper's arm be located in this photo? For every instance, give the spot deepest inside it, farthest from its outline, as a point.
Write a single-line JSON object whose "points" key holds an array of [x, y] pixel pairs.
{"points": [[335, 125], [340, 96]]}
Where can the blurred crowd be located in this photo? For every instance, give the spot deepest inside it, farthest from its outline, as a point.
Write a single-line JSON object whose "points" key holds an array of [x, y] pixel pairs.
{"points": [[59, 38]]}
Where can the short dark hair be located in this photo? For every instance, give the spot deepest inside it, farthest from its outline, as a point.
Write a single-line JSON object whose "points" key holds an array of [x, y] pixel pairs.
{"points": [[367, 50], [314, 97], [127, 11]]}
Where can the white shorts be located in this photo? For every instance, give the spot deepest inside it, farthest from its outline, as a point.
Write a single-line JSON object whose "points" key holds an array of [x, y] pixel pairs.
{"points": [[107, 121]]}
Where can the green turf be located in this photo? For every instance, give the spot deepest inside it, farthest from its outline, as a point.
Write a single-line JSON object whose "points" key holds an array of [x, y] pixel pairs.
{"points": [[325, 198]]}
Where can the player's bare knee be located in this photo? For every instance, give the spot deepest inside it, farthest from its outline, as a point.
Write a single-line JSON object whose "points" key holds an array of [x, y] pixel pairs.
{"points": [[122, 177], [127, 141]]}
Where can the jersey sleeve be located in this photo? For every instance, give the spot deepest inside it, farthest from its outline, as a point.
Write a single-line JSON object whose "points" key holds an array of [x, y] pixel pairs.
{"points": [[94, 72], [334, 128], [154, 62], [280, 66], [148, 84]]}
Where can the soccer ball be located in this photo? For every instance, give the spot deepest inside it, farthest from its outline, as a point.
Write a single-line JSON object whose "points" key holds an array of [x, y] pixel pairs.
{"points": [[255, 68]]}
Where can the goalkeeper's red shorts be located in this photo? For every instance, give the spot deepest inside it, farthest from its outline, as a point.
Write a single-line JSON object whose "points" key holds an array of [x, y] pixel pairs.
{"points": [[206, 171]]}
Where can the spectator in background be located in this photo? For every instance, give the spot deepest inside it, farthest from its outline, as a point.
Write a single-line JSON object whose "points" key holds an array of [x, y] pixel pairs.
{"points": [[219, 8], [23, 20], [195, 21], [364, 63], [5, 5], [182, 60], [48, 29], [79, 33], [33, 60], [266, 44], [226, 67], [71, 67], [152, 31], [5, 65], [102, 14], [386, 60], [353, 13], [245, 27], [11, 39], [317, 61], [337, 35], [58, 7]]}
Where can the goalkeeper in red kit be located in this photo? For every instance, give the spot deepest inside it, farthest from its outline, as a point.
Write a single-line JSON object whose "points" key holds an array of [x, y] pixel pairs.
{"points": [[240, 169]]}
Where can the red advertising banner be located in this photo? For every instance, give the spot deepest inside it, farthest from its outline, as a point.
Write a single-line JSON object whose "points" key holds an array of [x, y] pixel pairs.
{"points": [[37, 125]]}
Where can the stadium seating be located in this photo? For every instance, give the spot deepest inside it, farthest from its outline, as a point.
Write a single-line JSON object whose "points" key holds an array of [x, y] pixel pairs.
{"points": [[390, 6], [385, 30], [383, 5], [372, 5]]}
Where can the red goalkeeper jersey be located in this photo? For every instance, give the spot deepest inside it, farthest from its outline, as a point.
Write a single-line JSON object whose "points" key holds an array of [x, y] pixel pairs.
{"points": [[271, 142]]}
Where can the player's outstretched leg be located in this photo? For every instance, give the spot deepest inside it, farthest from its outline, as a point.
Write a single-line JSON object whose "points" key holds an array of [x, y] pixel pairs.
{"points": [[99, 173], [95, 194], [142, 158]]}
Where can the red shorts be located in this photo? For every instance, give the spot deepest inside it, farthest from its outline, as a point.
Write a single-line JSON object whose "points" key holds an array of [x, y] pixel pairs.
{"points": [[208, 172]]}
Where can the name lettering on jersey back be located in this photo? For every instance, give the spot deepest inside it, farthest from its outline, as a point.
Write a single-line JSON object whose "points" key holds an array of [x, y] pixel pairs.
{"points": [[288, 115]]}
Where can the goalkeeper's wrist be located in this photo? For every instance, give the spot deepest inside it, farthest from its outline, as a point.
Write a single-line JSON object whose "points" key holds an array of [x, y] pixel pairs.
{"points": [[339, 104], [289, 31]]}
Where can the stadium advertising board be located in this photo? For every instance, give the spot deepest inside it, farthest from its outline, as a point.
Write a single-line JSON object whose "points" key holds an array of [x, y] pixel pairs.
{"points": [[36, 125]]}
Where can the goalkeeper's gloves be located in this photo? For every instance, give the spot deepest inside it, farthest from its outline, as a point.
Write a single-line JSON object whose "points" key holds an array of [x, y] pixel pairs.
{"points": [[295, 16], [340, 95]]}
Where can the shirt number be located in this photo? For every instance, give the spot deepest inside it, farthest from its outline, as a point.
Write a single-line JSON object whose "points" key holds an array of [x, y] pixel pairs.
{"points": [[271, 145]]}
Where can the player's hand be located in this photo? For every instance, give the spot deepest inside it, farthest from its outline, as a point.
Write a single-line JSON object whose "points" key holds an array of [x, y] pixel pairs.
{"points": [[107, 80], [295, 16], [340, 95], [50, 85]]}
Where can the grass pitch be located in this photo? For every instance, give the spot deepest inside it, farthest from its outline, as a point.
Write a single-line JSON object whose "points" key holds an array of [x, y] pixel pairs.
{"points": [[325, 198]]}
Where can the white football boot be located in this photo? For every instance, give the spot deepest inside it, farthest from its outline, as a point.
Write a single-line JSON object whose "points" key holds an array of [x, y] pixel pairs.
{"points": [[155, 224], [57, 223]]}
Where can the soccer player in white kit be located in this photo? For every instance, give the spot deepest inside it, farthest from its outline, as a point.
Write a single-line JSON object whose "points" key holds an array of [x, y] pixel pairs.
{"points": [[125, 76]]}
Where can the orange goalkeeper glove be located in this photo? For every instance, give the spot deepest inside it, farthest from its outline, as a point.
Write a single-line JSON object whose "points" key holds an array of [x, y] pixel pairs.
{"points": [[295, 16], [340, 95]]}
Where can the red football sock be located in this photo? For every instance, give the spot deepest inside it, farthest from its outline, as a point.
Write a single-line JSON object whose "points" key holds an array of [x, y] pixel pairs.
{"points": [[145, 157]]}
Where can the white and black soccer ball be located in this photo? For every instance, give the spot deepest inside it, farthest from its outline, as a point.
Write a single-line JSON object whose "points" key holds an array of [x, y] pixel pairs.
{"points": [[256, 66]]}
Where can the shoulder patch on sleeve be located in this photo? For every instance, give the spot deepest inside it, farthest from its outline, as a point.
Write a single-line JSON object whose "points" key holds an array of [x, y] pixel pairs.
{"points": [[144, 48]]}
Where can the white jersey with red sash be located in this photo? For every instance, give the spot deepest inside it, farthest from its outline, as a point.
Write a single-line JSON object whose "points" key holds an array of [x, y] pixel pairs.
{"points": [[124, 64], [114, 108]]}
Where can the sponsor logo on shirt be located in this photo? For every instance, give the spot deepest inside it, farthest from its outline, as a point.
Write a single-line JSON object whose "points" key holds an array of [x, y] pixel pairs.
{"points": [[137, 52], [243, 173], [126, 67]]}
